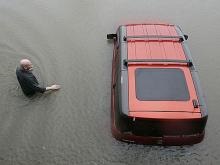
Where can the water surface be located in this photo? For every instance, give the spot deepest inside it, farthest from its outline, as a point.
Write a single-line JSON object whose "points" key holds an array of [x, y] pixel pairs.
{"points": [[66, 41]]}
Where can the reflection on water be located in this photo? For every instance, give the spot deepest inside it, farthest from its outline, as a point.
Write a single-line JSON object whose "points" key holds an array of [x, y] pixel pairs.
{"points": [[66, 41]]}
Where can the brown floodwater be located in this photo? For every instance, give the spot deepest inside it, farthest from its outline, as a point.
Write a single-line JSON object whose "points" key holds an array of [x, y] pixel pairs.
{"points": [[66, 41]]}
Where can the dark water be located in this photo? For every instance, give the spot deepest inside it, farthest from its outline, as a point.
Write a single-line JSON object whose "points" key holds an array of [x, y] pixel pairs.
{"points": [[66, 41]]}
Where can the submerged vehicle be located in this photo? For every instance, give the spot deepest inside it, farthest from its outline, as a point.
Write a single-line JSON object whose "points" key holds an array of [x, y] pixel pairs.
{"points": [[156, 97]]}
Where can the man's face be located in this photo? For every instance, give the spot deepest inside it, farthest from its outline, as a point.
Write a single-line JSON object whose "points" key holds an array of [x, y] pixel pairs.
{"points": [[28, 66]]}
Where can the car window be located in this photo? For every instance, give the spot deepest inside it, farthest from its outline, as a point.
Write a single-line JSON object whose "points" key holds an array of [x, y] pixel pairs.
{"points": [[159, 84]]}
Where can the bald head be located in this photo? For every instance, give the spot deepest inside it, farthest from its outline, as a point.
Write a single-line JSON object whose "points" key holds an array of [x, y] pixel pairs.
{"points": [[26, 64]]}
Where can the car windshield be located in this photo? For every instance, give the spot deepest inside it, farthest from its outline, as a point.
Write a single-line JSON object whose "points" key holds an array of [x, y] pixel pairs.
{"points": [[161, 84]]}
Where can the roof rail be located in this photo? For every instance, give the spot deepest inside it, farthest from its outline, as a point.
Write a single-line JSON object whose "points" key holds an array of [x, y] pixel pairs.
{"points": [[188, 62], [159, 37]]}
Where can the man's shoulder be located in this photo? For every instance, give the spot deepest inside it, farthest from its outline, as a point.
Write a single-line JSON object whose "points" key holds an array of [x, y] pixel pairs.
{"points": [[18, 70]]}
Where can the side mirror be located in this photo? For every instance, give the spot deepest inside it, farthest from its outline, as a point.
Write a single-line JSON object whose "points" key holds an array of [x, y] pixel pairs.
{"points": [[186, 36], [111, 36]]}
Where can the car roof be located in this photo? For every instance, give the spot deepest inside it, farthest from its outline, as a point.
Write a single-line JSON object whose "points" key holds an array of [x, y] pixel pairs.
{"points": [[157, 42], [155, 47]]}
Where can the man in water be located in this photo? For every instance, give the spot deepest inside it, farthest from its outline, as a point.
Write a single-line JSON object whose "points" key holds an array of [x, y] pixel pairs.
{"points": [[28, 81]]}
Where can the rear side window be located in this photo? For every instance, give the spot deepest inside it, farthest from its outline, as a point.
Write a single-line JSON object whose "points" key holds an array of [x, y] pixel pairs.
{"points": [[160, 84]]}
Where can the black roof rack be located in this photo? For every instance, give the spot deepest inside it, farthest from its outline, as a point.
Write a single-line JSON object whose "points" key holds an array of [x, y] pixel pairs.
{"points": [[159, 37], [188, 62]]}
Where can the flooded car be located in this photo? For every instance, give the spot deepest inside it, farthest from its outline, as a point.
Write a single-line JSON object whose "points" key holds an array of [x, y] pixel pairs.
{"points": [[156, 94]]}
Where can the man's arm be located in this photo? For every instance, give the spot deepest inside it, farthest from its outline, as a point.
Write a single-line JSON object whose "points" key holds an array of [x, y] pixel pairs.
{"points": [[36, 87]]}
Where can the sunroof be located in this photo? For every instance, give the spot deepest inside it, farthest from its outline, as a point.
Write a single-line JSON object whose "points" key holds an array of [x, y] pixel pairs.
{"points": [[158, 84]]}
